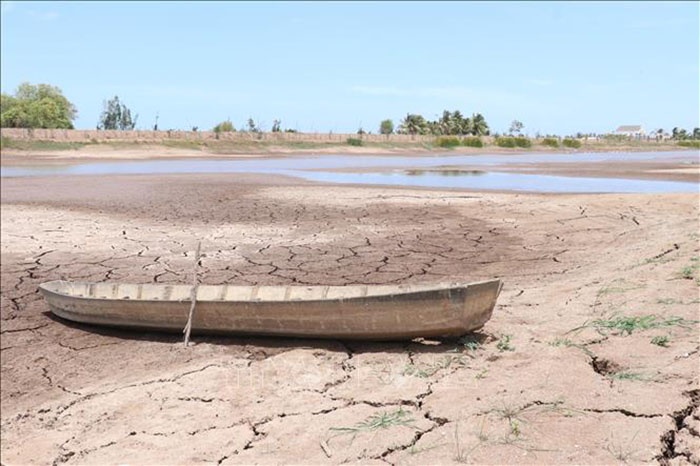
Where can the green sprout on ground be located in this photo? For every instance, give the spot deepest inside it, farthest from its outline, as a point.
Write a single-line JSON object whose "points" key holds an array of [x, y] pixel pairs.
{"points": [[629, 324], [481, 374], [661, 340], [430, 369], [461, 456], [565, 342], [627, 375], [619, 451], [618, 286], [689, 272], [469, 343], [512, 414], [378, 421], [669, 301], [514, 428], [557, 342], [504, 344]]}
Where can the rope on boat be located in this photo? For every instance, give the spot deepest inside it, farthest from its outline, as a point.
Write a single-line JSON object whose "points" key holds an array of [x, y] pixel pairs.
{"points": [[193, 295]]}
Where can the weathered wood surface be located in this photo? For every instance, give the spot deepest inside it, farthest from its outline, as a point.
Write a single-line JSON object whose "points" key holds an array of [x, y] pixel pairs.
{"points": [[374, 312]]}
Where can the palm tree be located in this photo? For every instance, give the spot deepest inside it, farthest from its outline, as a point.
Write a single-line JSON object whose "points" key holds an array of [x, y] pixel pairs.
{"points": [[458, 123], [444, 125], [467, 126], [479, 127], [413, 124]]}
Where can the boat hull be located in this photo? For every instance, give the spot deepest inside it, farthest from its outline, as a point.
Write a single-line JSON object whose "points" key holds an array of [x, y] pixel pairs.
{"points": [[351, 312]]}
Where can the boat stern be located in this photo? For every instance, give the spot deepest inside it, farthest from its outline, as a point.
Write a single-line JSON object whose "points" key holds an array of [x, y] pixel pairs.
{"points": [[480, 300]]}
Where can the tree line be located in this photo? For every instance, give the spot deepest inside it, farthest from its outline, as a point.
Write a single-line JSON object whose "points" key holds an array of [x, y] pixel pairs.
{"points": [[45, 106], [449, 124]]}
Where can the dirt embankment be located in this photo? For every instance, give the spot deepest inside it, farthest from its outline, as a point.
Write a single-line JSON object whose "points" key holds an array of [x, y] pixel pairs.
{"points": [[591, 356]]}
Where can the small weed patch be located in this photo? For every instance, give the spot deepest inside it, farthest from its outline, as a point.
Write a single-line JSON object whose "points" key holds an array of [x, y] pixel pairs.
{"points": [[688, 273], [378, 421], [354, 141], [627, 375], [618, 286], [629, 324], [469, 343], [429, 370], [561, 342], [504, 344], [667, 301], [661, 340]]}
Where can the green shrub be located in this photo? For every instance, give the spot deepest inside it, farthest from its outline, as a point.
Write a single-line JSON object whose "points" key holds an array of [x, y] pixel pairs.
{"points": [[523, 142], [694, 144], [447, 141], [224, 127], [354, 141], [550, 142], [472, 142], [505, 141], [571, 143]]}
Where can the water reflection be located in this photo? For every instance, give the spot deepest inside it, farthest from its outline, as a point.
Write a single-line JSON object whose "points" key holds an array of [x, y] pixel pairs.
{"points": [[430, 171], [445, 172]]}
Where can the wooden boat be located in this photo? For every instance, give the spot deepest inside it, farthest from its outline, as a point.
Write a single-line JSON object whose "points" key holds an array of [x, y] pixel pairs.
{"points": [[371, 312]]}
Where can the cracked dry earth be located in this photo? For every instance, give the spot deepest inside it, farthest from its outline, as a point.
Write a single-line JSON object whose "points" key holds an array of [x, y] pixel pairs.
{"points": [[542, 382]]}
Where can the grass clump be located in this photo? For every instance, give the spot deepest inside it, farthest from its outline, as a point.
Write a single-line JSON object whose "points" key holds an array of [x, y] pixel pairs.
{"points": [[447, 142], [571, 143], [429, 370], [626, 325], [557, 342], [688, 273], [694, 144], [618, 286], [504, 344], [661, 340], [627, 375], [354, 141], [377, 422], [472, 142], [668, 301], [469, 343], [550, 142]]}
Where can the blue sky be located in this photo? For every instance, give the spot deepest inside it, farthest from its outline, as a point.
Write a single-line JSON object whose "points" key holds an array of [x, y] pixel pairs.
{"points": [[559, 67]]}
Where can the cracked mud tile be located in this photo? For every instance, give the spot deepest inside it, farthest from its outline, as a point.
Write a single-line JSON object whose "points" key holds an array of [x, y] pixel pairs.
{"points": [[547, 378], [355, 433], [545, 435], [381, 378]]}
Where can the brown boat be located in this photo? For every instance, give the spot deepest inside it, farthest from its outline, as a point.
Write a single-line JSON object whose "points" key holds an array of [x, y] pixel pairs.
{"points": [[367, 312]]}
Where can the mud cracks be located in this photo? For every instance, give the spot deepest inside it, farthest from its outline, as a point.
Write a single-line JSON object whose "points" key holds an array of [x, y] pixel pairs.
{"points": [[526, 390]]}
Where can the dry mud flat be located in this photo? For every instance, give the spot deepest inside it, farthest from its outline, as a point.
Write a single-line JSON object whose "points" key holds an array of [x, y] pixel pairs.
{"points": [[545, 381]]}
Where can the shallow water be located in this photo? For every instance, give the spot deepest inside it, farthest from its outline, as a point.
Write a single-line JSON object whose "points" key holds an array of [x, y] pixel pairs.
{"points": [[391, 170]]}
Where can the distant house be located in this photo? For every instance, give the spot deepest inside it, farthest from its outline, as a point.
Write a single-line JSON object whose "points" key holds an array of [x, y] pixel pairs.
{"points": [[633, 131]]}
